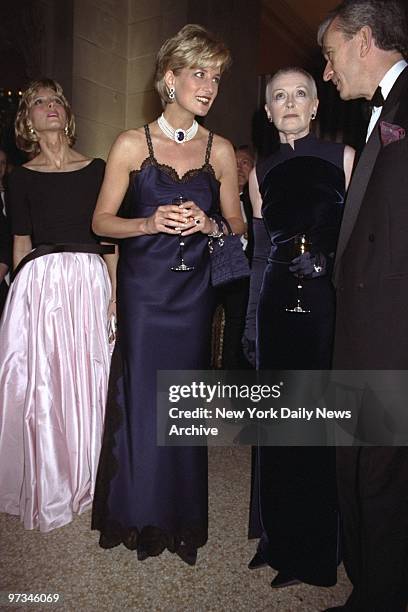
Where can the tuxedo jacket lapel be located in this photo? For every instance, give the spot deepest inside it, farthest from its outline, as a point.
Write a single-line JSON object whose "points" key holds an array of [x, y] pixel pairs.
{"points": [[362, 174], [358, 186]]}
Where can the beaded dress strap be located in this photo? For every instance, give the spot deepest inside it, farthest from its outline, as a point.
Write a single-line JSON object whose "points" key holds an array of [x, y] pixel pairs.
{"points": [[149, 142], [208, 150]]}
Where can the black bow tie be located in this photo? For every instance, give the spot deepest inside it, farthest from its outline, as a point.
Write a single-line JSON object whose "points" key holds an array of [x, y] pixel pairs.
{"points": [[377, 99]]}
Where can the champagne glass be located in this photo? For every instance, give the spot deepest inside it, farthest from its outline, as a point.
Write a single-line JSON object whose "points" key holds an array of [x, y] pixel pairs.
{"points": [[301, 245], [182, 266]]}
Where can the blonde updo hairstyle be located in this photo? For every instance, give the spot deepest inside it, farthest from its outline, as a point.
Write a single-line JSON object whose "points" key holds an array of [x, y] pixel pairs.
{"points": [[26, 140], [192, 47]]}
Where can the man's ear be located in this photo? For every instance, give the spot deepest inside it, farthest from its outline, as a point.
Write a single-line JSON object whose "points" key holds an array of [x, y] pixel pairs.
{"points": [[366, 40]]}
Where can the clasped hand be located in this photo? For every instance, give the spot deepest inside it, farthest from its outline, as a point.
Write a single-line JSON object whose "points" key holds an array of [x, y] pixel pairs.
{"points": [[186, 219], [308, 265]]}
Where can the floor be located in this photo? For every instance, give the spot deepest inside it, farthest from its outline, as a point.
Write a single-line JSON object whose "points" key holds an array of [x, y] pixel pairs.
{"points": [[68, 561]]}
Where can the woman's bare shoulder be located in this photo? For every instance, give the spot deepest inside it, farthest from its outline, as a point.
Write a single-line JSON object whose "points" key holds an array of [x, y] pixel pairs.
{"points": [[130, 148], [222, 146], [131, 138]]}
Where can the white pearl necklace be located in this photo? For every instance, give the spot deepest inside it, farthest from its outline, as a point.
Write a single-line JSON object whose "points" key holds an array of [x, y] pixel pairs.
{"points": [[178, 135]]}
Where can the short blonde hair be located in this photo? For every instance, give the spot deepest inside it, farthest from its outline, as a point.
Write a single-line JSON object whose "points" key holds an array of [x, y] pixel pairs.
{"points": [[295, 70], [193, 46], [26, 140]]}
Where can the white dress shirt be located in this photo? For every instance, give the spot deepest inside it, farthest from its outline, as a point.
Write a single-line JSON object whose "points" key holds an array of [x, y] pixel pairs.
{"points": [[386, 84], [244, 241]]}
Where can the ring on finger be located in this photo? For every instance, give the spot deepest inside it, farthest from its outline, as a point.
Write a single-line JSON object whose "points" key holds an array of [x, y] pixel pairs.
{"points": [[197, 221]]}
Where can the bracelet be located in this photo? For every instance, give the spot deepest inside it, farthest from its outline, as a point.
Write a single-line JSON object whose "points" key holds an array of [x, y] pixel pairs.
{"points": [[217, 233]]}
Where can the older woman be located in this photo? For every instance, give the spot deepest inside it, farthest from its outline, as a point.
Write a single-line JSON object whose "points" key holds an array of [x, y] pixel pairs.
{"points": [[54, 359], [151, 497], [297, 197]]}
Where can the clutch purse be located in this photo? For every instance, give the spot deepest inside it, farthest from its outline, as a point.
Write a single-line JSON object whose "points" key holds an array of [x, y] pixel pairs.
{"points": [[227, 259]]}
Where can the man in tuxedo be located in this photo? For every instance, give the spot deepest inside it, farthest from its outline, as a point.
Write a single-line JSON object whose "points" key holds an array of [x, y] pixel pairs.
{"points": [[364, 43]]}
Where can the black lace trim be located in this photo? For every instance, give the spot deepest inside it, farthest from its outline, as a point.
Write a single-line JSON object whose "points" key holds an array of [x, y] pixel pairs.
{"points": [[169, 170], [208, 149], [149, 141], [151, 540], [108, 465]]}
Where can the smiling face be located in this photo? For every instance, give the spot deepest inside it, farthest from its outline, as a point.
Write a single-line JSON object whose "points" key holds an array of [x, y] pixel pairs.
{"points": [[342, 62], [291, 102], [195, 88], [47, 111]]}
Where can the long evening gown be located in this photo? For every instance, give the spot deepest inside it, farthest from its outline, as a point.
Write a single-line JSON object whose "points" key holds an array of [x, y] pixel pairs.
{"points": [[54, 358], [294, 498], [151, 497]]}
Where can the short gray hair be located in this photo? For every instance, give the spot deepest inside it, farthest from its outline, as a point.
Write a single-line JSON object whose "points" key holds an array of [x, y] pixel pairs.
{"points": [[288, 70], [386, 18]]}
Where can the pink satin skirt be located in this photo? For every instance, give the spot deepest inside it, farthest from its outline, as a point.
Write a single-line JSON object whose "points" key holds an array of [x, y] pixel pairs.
{"points": [[54, 366]]}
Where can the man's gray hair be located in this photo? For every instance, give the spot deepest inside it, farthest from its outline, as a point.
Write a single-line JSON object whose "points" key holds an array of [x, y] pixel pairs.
{"points": [[386, 18]]}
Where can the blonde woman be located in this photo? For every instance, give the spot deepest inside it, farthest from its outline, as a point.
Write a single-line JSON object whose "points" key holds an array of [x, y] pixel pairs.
{"points": [[148, 497], [54, 360]]}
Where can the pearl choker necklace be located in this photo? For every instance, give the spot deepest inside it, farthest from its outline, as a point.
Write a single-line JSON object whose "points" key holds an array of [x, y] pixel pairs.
{"points": [[177, 135]]}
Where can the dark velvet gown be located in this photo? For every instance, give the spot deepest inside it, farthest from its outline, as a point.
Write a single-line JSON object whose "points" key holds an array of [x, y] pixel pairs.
{"points": [[151, 497], [294, 499]]}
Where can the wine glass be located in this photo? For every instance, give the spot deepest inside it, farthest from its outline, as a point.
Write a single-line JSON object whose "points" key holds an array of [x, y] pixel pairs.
{"points": [[182, 267], [301, 245]]}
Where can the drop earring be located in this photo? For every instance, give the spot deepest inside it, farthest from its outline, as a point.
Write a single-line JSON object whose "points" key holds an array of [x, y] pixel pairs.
{"points": [[66, 130], [172, 93]]}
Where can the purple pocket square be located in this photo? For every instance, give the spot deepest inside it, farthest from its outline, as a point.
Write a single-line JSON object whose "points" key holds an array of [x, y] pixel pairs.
{"points": [[390, 133]]}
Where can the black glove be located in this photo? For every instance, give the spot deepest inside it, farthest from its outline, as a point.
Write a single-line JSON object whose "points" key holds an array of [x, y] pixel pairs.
{"points": [[308, 265], [262, 247]]}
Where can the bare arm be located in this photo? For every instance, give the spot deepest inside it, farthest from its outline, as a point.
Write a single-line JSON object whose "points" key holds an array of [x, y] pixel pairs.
{"points": [[262, 247], [114, 186], [255, 196], [22, 245], [348, 161], [125, 153], [111, 261], [229, 192]]}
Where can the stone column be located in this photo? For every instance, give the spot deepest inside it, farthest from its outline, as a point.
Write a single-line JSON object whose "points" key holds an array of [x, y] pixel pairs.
{"points": [[150, 23], [100, 41]]}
